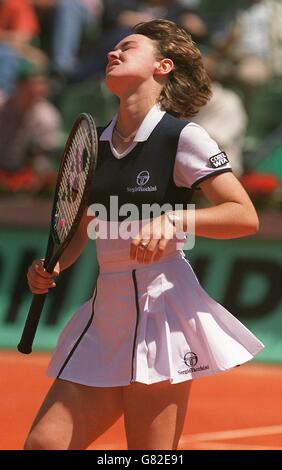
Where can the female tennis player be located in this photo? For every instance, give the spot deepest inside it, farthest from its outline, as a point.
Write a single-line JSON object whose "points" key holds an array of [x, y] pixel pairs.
{"points": [[150, 328]]}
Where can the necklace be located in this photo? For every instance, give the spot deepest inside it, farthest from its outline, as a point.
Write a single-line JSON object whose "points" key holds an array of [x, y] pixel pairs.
{"points": [[125, 139]]}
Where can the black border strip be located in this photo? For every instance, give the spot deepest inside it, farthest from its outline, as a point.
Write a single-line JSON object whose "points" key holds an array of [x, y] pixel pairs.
{"points": [[79, 339], [210, 175], [137, 321]]}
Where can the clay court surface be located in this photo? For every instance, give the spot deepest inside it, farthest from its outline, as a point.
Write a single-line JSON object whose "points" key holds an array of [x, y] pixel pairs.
{"points": [[236, 410]]}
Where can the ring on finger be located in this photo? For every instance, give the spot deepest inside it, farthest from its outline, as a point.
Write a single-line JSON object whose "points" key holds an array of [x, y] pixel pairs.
{"points": [[143, 245]]}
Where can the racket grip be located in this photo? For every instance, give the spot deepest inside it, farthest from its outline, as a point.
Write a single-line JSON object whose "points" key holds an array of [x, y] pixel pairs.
{"points": [[31, 323]]}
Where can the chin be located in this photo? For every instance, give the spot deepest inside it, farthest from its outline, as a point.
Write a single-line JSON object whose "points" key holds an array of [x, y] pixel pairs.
{"points": [[118, 83], [111, 84], [115, 83]]}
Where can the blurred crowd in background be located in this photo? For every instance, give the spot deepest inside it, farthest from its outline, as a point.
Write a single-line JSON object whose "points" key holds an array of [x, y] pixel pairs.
{"points": [[52, 59]]}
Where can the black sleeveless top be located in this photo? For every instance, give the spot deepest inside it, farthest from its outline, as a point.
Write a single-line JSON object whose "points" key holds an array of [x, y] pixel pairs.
{"points": [[145, 175]]}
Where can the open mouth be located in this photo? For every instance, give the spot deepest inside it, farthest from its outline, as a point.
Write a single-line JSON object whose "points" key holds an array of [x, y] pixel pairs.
{"points": [[112, 64]]}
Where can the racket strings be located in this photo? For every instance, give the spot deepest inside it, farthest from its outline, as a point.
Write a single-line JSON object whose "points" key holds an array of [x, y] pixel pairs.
{"points": [[73, 181]]}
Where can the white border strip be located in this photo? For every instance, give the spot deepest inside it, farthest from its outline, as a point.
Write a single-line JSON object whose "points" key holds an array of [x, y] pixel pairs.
{"points": [[224, 446], [232, 434]]}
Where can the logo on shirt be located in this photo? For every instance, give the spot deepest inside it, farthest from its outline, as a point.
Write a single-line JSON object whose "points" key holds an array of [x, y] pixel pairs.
{"points": [[219, 160], [143, 178], [191, 360]]}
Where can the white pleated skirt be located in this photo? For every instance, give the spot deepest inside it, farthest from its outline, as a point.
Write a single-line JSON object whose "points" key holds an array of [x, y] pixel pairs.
{"points": [[149, 323]]}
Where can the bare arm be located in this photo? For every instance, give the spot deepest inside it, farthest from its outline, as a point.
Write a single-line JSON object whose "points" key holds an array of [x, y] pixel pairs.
{"points": [[232, 214], [39, 280], [77, 244]]}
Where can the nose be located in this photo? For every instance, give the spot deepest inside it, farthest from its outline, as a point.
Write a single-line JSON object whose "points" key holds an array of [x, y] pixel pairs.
{"points": [[113, 55]]}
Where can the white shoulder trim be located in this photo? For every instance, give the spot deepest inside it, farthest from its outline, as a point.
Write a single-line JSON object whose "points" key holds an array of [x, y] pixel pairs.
{"points": [[195, 149]]}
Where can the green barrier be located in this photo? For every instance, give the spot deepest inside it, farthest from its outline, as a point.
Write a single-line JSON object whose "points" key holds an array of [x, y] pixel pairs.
{"points": [[18, 250], [244, 275], [272, 163]]}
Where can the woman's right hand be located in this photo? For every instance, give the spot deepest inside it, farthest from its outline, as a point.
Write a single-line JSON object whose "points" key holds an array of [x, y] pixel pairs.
{"points": [[39, 280]]}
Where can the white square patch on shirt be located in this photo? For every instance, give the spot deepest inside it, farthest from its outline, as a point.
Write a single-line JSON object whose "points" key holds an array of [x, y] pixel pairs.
{"points": [[219, 160]]}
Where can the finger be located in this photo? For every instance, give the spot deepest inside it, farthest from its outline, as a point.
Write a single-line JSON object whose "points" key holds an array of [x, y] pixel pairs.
{"points": [[161, 248], [142, 248], [57, 269], [140, 253], [39, 268], [36, 278], [149, 252], [134, 246], [38, 283], [39, 289], [55, 272]]}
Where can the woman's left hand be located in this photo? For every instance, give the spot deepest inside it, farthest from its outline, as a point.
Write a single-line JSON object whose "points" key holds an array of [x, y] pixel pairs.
{"points": [[152, 240]]}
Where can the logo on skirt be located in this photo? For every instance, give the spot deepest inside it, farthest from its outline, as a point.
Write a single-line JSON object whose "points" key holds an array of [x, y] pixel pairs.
{"points": [[191, 360]]}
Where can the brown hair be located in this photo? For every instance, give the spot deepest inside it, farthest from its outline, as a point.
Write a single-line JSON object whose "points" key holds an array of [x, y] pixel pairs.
{"points": [[188, 87]]}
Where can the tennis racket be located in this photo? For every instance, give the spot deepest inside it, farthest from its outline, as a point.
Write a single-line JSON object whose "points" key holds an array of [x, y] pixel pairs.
{"points": [[71, 195]]}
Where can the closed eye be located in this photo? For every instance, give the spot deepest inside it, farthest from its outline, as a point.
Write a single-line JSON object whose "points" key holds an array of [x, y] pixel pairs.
{"points": [[126, 45], [126, 48]]}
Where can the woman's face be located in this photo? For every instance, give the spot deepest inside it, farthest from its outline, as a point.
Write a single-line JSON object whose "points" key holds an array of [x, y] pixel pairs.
{"points": [[131, 62]]}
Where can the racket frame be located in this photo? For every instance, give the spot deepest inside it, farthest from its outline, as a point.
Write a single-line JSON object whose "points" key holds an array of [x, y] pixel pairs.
{"points": [[54, 249]]}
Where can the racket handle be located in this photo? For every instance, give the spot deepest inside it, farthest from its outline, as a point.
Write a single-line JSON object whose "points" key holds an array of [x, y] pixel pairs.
{"points": [[31, 323]]}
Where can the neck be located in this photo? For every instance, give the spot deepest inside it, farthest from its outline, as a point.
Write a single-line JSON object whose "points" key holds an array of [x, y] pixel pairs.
{"points": [[124, 138], [133, 109]]}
